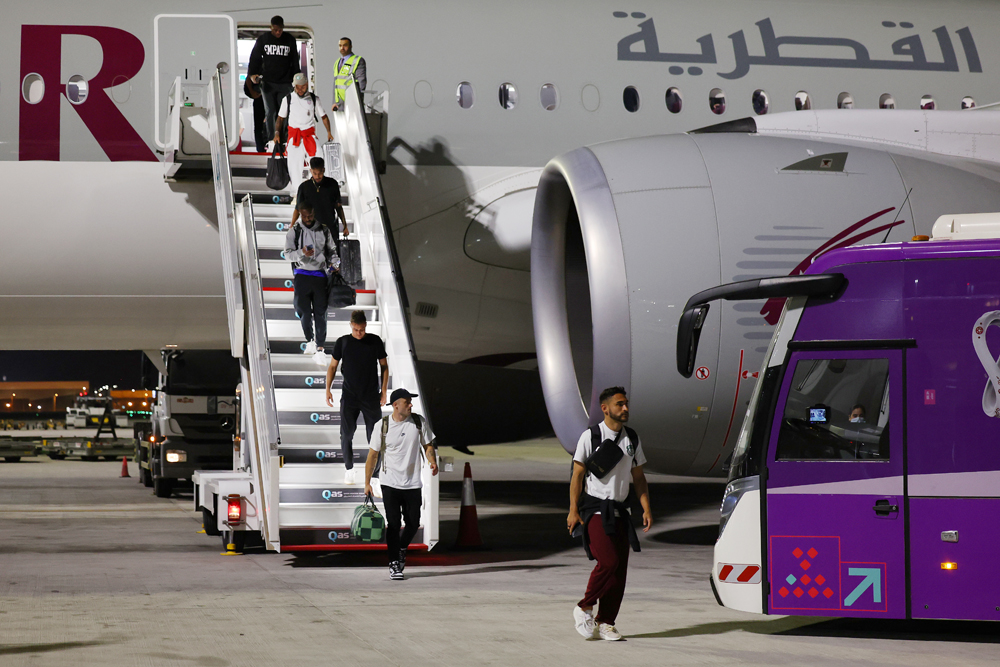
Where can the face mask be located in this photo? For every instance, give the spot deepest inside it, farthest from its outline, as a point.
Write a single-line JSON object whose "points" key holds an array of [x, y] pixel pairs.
{"points": [[857, 420]]}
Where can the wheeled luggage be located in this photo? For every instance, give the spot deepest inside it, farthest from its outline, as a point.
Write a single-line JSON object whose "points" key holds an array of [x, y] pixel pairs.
{"points": [[333, 162], [350, 261]]}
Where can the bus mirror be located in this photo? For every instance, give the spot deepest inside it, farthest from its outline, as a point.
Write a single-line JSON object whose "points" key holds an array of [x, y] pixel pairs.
{"points": [[688, 334]]}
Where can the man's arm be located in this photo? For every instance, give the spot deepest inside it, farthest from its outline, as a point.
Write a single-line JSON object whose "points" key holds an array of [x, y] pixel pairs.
{"points": [[361, 74], [292, 254], [326, 124], [431, 458], [256, 64], [575, 489], [343, 218], [296, 63], [331, 370], [385, 379], [642, 490], [277, 129], [369, 469]]}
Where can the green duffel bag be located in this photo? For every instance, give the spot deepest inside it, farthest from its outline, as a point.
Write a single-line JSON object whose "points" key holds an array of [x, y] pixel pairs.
{"points": [[368, 524]]}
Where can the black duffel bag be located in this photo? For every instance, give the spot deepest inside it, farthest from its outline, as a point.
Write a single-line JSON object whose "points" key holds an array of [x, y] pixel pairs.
{"points": [[277, 169], [341, 294]]}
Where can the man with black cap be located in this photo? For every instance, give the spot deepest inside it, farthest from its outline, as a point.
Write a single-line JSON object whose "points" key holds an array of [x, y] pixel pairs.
{"points": [[403, 440]]}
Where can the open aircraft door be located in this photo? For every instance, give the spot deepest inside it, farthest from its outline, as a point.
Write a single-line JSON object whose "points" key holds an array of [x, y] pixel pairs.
{"points": [[835, 537], [187, 49]]}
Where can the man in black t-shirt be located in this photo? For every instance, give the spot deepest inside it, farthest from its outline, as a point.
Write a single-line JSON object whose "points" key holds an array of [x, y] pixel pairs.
{"points": [[361, 394], [324, 194]]}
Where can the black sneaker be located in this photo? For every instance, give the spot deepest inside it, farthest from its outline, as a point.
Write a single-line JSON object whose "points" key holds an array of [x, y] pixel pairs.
{"points": [[395, 571], [402, 559]]}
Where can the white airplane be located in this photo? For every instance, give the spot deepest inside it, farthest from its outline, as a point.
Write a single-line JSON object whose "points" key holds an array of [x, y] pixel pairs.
{"points": [[101, 253]]}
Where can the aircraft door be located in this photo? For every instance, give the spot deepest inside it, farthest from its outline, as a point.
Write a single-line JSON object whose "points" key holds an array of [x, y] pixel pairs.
{"points": [[834, 490], [191, 46]]}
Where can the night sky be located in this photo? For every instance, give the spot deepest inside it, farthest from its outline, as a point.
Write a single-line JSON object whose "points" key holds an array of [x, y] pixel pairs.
{"points": [[100, 368]]}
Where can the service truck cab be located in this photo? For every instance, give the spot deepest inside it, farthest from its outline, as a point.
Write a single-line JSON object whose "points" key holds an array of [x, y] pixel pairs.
{"points": [[866, 481], [194, 418]]}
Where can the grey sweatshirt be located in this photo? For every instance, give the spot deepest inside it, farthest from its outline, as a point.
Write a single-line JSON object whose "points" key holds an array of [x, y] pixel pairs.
{"points": [[311, 236]]}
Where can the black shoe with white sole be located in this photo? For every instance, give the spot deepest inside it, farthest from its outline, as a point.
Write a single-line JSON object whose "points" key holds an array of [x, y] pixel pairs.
{"points": [[395, 571]]}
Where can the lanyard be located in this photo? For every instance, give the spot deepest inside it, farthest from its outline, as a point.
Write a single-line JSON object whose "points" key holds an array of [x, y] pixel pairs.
{"points": [[991, 394]]}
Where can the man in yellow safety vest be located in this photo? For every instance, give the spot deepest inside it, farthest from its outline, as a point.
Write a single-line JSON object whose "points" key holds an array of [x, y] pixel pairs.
{"points": [[348, 69]]}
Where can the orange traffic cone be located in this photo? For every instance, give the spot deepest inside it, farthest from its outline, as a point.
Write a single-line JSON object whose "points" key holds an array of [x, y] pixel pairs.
{"points": [[468, 520], [125, 467]]}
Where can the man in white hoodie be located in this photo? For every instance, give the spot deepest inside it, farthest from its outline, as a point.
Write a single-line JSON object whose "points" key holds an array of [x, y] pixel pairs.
{"points": [[312, 250]]}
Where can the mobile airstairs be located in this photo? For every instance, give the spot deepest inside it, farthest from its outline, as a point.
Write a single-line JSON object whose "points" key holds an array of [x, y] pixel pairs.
{"points": [[287, 483]]}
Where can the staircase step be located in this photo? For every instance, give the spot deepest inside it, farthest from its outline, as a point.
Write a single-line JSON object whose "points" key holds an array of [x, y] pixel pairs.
{"points": [[318, 418], [324, 495], [287, 312], [334, 538], [299, 457], [304, 399]]}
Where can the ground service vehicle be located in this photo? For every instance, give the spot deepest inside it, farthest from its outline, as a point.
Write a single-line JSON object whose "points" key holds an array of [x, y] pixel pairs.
{"points": [[194, 418], [865, 481]]}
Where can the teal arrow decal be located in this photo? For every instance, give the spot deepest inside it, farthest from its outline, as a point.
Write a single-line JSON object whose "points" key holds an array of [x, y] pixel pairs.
{"points": [[872, 577]]}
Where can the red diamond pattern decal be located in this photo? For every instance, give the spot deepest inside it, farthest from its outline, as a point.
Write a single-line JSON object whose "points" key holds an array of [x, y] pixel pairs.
{"points": [[828, 593], [813, 592], [819, 579], [805, 565], [797, 553], [812, 553], [805, 580], [798, 592], [783, 592]]}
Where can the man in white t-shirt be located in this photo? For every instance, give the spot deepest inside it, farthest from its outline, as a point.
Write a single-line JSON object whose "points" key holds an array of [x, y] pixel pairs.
{"points": [[305, 111], [602, 511], [406, 439]]}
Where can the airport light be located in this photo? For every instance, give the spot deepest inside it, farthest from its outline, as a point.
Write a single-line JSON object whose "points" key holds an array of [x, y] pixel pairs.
{"points": [[234, 510]]}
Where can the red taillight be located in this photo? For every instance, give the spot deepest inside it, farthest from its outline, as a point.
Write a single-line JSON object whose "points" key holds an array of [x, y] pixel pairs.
{"points": [[235, 512]]}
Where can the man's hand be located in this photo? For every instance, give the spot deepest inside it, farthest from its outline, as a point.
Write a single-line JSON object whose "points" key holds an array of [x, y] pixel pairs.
{"points": [[572, 519], [334, 107], [347, 232], [277, 138], [434, 467], [647, 521], [255, 78], [329, 398], [329, 137], [308, 252], [368, 489], [384, 399]]}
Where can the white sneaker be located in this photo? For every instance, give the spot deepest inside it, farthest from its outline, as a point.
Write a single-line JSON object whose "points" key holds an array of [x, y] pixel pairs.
{"points": [[584, 620], [609, 632], [350, 477], [321, 358], [310, 348]]}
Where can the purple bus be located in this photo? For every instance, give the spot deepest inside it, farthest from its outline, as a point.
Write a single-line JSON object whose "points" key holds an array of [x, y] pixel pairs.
{"points": [[866, 478]]}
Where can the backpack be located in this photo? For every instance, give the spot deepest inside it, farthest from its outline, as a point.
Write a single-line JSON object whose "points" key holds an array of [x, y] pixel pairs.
{"points": [[327, 236], [288, 105], [385, 429]]}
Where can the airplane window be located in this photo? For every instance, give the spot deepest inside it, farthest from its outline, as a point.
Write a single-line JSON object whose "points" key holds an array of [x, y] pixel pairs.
{"points": [[466, 95], [717, 101], [674, 100], [885, 101], [845, 101], [630, 97], [968, 103], [76, 89], [33, 88], [549, 97], [508, 96], [927, 103], [802, 101], [760, 101], [590, 97], [423, 94]]}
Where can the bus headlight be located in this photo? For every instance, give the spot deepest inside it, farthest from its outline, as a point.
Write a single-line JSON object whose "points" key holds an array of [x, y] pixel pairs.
{"points": [[176, 456], [734, 491]]}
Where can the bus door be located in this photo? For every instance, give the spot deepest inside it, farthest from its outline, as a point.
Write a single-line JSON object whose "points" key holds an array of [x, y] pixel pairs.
{"points": [[834, 487]]}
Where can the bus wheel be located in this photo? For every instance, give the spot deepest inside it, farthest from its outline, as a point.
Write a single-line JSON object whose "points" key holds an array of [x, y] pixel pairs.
{"points": [[12, 459], [146, 477], [162, 487], [90, 458]]}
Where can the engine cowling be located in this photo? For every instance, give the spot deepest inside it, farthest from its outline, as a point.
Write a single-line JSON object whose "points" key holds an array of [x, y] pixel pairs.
{"points": [[624, 232]]}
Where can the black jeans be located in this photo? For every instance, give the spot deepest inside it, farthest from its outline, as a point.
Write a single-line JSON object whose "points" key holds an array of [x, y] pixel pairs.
{"points": [[273, 93], [400, 504], [350, 408], [311, 295]]}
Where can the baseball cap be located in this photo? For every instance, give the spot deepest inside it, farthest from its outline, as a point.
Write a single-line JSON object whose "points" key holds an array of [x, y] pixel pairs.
{"points": [[400, 393], [299, 79]]}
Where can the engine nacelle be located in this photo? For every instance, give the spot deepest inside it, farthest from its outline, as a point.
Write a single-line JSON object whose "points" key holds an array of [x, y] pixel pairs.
{"points": [[624, 232]]}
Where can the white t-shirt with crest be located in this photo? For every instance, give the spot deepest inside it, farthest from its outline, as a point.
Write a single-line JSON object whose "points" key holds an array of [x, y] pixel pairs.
{"points": [[615, 484]]}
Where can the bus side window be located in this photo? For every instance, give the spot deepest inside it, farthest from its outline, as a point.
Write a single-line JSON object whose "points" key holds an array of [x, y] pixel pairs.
{"points": [[836, 409]]}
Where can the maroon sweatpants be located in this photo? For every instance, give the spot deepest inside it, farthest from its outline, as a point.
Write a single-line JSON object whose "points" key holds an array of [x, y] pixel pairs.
{"points": [[607, 581]]}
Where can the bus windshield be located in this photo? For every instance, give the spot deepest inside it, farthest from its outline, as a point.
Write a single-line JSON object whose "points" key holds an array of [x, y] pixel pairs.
{"points": [[202, 372], [837, 409]]}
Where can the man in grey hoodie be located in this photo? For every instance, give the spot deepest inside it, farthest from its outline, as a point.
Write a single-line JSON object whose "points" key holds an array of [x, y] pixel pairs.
{"points": [[312, 249]]}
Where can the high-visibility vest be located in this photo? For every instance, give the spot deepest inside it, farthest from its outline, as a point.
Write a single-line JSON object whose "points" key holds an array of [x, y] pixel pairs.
{"points": [[343, 76]]}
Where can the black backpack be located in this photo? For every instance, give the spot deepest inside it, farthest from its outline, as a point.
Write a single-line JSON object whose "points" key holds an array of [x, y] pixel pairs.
{"points": [[328, 241], [288, 105], [605, 455]]}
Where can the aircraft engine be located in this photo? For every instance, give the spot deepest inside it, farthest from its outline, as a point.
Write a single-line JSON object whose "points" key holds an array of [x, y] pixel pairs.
{"points": [[625, 232]]}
